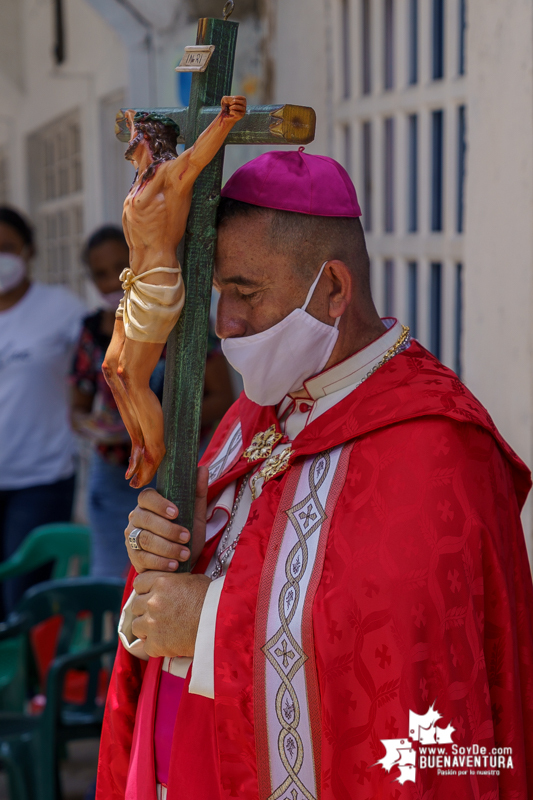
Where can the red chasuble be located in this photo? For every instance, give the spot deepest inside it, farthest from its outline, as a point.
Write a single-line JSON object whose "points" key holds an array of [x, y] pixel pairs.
{"points": [[385, 651]]}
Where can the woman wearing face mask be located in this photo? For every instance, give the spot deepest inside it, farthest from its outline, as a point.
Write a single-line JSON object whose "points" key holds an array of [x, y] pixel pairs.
{"points": [[39, 325], [95, 414]]}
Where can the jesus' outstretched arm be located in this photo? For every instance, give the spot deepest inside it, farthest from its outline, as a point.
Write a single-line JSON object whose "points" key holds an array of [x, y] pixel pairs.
{"points": [[211, 140]]}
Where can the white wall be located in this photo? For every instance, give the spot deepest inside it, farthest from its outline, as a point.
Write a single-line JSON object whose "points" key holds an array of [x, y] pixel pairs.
{"points": [[498, 353], [94, 67], [301, 36]]}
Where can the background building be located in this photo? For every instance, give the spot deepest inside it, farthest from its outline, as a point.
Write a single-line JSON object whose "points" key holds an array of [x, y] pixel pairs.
{"points": [[428, 103]]}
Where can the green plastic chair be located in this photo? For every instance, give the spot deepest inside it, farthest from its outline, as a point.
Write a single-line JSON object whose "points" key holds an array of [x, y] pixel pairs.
{"points": [[30, 745], [68, 547]]}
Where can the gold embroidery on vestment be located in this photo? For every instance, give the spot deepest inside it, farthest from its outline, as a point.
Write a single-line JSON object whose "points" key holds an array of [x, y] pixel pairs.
{"points": [[263, 444], [273, 466], [282, 650]]}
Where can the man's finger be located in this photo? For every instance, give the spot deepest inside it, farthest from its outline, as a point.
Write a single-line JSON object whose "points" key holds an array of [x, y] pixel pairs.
{"points": [[139, 628], [149, 521], [153, 501], [202, 483], [158, 545], [143, 561], [144, 583], [138, 604], [200, 508], [200, 505]]}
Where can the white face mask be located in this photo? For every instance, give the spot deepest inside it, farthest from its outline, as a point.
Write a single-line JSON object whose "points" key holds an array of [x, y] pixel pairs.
{"points": [[277, 361], [12, 271]]}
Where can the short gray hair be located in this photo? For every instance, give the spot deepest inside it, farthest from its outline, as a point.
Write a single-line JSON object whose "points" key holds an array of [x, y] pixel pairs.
{"points": [[308, 240]]}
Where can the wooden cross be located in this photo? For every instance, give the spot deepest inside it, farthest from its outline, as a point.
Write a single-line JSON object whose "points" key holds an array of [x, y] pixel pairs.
{"points": [[187, 345]]}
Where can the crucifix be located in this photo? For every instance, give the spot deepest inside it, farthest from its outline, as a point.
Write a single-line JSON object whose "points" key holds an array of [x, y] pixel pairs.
{"points": [[211, 62]]}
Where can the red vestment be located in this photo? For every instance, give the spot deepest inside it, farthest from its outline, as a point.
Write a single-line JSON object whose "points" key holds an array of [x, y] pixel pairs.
{"points": [[425, 597]]}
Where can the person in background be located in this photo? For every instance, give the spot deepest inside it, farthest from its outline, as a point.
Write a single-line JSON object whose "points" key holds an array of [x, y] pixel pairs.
{"points": [[95, 413], [39, 326]]}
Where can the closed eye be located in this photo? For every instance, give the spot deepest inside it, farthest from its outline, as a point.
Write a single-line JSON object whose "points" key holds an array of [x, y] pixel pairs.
{"points": [[249, 295]]}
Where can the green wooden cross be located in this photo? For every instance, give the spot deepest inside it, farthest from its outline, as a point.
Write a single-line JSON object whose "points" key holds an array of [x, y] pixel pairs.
{"points": [[187, 345]]}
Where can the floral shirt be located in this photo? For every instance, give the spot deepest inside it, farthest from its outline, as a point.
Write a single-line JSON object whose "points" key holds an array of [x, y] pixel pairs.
{"points": [[88, 378]]}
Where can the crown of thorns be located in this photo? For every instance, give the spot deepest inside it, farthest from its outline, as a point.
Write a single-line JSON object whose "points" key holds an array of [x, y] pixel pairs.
{"points": [[141, 116]]}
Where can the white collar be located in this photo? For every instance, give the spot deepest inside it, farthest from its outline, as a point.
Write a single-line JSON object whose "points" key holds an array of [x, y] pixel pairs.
{"points": [[352, 370]]}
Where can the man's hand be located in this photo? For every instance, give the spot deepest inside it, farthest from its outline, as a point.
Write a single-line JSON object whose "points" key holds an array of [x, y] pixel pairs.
{"points": [[167, 611], [163, 542], [234, 108]]}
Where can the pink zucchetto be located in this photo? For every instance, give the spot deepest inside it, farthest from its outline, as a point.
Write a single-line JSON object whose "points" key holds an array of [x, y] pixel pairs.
{"points": [[295, 181]]}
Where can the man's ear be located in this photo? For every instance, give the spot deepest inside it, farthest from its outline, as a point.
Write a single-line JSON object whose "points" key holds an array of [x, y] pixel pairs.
{"points": [[341, 293]]}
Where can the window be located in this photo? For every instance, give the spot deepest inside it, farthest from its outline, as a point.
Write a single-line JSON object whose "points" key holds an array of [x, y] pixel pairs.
{"points": [[412, 296], [388, 53], [367, 176], [345, 33], [412, 177], [435, 309], [413, 42], [437, 169], [388, 165], [366, 51], [62, 232], [57, 201], [389, 287], [457, 364], [461, 164], [62, 161], [347, 147], [438, 40], [461, 66]]}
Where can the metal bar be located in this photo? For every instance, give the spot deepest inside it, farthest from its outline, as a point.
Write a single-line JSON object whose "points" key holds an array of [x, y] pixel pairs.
{"points": [[59, 44]]}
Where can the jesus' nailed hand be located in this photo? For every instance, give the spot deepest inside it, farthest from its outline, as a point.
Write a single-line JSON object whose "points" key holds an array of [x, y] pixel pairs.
{"points": [[154, 220]]}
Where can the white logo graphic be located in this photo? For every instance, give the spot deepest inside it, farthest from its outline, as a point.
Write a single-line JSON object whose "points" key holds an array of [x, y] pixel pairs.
{"points": [[422, 729]]}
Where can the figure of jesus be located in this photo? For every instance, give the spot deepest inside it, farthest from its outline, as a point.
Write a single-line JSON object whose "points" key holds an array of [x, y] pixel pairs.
{"points": [[154, 220]]}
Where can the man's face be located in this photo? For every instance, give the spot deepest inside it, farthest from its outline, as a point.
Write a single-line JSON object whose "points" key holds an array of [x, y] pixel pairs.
{"points": [[258, 286]]}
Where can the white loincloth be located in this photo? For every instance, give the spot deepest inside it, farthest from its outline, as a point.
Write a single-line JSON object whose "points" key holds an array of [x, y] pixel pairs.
{"points": [[150, 311]]}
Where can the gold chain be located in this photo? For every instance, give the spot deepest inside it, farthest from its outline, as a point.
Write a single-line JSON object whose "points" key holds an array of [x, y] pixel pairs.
{"points": [[400, 343]]}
